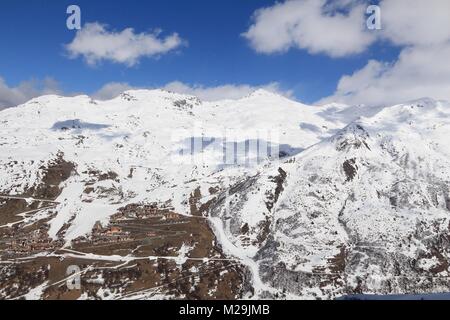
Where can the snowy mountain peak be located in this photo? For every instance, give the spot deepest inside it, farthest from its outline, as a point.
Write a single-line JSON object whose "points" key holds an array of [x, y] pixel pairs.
{"points": [[263, 93], [149, 94], [354, 136]]}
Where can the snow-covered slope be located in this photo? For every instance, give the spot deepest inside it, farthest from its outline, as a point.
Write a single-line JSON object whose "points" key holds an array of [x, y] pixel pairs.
{"points": [[143, 133], [347, 200], [367, 210]]}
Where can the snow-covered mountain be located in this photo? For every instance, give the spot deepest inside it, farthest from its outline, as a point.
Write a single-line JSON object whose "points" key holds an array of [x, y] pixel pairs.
{"points": [[160, 195], [364, 211]]}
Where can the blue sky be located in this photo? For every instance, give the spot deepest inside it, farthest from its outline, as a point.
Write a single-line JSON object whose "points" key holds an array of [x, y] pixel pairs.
{"points": [[34, 33]]}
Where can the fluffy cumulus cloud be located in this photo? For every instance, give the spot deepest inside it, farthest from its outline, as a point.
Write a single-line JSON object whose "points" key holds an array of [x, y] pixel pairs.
{"points": [[205, 93], [13, 96], [420, 28], [416, 22], [418, 72], [336, 28], [95, 43]]}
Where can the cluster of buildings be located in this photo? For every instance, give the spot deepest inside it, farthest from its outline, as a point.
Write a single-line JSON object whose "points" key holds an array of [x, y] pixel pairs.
{"points": [[37, 242], [113, 233], [137, 211]]}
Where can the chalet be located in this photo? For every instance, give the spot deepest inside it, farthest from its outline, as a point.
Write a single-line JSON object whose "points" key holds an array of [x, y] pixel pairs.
{"points": [[172, 216], [114, 231]]}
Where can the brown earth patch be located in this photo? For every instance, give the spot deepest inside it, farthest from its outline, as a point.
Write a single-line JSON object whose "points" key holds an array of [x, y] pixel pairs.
{"points": [[160, 234]]}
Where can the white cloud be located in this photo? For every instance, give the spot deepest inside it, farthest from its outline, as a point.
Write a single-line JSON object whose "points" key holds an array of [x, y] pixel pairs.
{"points": [[222, 92], [416, 22], [95, 43], [13, 96], [213, 93], [111, 90], [422, 29], [418, 72], [314, 25]]}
